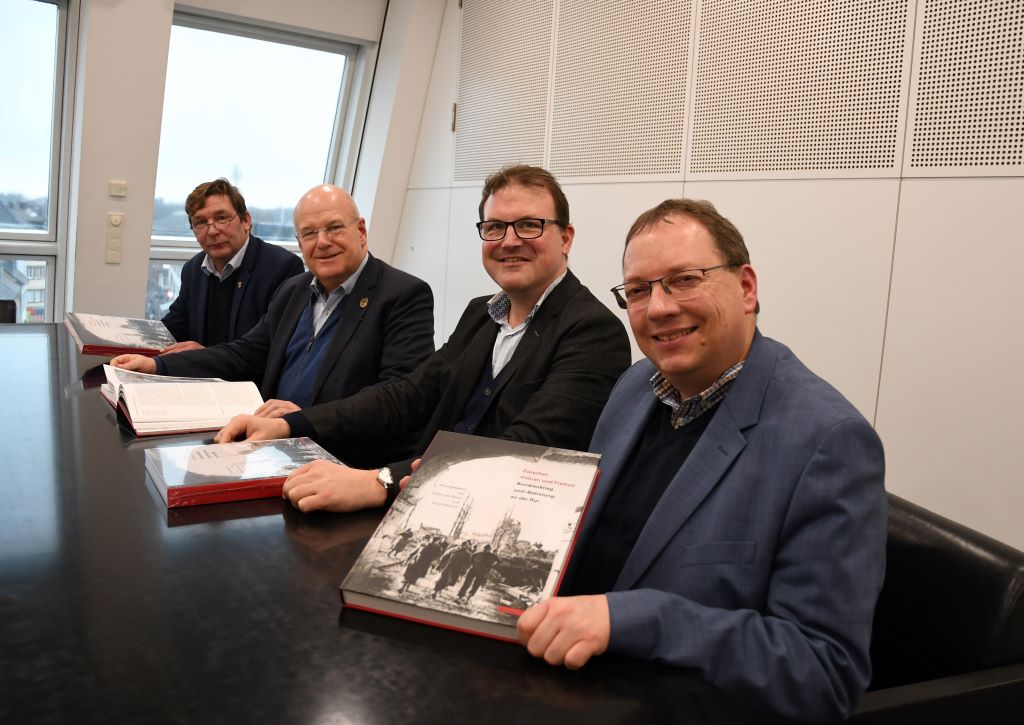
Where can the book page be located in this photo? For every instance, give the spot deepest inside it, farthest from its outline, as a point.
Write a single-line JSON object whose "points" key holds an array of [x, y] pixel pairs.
{"points": [[118, 376], [191, 401]]}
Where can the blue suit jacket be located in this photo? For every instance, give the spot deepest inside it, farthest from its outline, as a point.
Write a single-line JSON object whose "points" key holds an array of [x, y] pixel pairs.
{"points": [[385, 330], [761, 564], [263, 269]]}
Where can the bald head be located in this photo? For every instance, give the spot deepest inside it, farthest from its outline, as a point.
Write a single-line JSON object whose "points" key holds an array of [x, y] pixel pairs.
{"points": [[331, 234], [325, 196]]}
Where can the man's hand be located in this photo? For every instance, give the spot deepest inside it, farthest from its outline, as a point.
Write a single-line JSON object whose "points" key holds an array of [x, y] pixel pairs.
{"points": [[326, 485], [566, 630], [249, 427], [138, 363], [181, 347], [405, 479], [274, 408]]}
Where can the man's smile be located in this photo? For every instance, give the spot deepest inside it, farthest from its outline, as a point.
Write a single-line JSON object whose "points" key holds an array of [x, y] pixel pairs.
{"points": [[674, 335]]}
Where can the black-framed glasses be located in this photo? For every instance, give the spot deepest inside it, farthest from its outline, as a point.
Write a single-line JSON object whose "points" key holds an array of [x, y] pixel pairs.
{"points": [[218, 222], [493, 230], [333, 232], [680, 286]]}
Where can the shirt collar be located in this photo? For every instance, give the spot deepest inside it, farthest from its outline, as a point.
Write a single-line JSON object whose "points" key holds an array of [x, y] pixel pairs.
{"points": [[343, 289], [500, 305], [688, 410], [233, 263]]}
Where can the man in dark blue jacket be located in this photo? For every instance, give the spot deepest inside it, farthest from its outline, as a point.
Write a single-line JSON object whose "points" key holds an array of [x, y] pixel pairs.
{"points": [[226, 288]]}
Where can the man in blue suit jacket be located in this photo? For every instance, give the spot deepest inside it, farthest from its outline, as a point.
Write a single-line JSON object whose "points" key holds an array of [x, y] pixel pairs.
{"points": [[738, 527], [226, 288], [350, 322]]}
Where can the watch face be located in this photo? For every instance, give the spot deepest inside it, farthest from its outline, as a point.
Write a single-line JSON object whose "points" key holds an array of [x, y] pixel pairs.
{"points": [[385, 477]]}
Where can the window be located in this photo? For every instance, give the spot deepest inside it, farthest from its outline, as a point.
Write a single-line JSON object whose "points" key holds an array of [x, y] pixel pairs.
{"points": [[26, 282], [28, 82], [261, 108], [163, 286], [33, 128]]}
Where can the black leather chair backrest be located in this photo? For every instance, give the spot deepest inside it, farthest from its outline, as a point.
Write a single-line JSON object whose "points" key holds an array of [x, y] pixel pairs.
{"points": [[8, 311], [952, 601]]}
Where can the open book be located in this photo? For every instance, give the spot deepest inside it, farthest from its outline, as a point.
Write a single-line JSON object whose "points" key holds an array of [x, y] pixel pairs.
{"points": [[483, 530], [187, 475], [117, 377], [156, 405], [108, 335]]}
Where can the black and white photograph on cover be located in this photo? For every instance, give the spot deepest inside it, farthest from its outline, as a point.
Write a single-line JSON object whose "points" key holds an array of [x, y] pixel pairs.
{"points": [[479, 531], [114, 331]]}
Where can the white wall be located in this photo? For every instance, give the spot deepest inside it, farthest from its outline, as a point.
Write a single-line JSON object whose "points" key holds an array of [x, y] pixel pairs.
{"points": [[896, 289]]}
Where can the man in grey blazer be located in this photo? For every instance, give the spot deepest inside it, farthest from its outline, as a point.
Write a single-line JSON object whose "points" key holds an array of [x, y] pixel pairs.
{"points": [[738, 527], [534, 362]]}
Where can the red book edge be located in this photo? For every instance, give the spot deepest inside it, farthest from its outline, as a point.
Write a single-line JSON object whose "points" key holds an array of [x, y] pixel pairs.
{"points": [[179, 496]]}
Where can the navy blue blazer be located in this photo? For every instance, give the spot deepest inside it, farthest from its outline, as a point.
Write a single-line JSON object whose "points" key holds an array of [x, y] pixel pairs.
{"points": [[385, 329], [264, 267], [761, 564]]}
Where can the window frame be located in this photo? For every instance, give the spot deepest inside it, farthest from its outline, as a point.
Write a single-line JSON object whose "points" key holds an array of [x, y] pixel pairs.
{"points": [[52, 245], [339, 162]]}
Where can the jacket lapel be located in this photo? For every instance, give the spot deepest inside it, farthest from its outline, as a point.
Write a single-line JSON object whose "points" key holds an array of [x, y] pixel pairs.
{"points": [[241, 281], [722, 442], [535, 332], [360, 300], [197, 305], [285, 329]]}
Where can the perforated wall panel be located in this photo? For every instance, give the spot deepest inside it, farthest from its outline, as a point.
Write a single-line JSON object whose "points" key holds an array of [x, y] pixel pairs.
{"points": [[619, 94], [969, 101], [504, 72], [799, 85]]}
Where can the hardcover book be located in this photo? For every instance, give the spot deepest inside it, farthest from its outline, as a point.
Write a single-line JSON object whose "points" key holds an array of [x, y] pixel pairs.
{"points": [[154, 405], [116, 377], [108, 335], [188, 475], [483, 530]]}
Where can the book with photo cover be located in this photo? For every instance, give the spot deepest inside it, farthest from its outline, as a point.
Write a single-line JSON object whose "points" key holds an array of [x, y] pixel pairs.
{"points": [[150, 407], [109, 335], [188, 475], [483, 531]]}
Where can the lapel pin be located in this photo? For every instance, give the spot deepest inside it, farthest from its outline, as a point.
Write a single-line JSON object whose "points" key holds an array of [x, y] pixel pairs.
{"points": [[240, 283], [363, 303]]}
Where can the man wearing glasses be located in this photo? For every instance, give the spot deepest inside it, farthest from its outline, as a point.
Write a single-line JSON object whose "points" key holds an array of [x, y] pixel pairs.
{"points": [[350, 322], [226, 288], [738, 527], [534, 362]]}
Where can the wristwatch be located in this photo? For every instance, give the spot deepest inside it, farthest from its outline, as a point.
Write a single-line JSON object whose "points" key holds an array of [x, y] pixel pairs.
{"points": [[385, 479]]}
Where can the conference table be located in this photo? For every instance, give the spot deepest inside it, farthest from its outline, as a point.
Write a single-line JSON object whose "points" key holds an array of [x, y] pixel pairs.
{"points": [[114, 608]]}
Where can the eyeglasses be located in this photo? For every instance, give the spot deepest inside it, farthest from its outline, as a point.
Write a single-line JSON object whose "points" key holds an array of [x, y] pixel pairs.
{"points": [[494, 230], [680, 286], [218, 222], [333, 233]]}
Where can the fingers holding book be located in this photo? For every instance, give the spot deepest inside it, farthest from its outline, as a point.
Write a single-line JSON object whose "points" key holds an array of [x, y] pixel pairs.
{"points": [[137, 363], [329, 486], [566, 630], [249, 427]]}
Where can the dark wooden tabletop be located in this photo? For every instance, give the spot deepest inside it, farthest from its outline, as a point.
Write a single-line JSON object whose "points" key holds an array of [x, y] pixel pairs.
{"points": [[114, 609]]}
